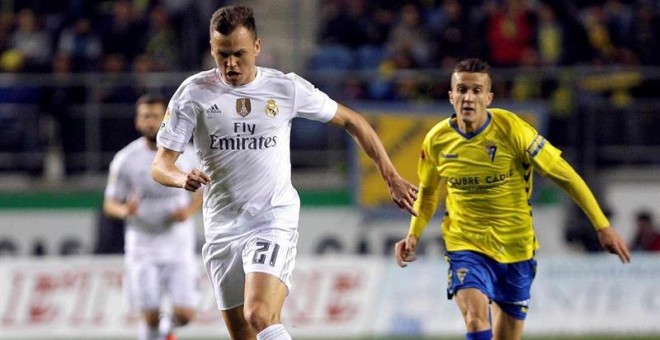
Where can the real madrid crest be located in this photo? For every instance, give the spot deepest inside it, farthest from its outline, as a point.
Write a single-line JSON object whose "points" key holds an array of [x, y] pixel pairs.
{"points": [[271, 108], [243, 106]]}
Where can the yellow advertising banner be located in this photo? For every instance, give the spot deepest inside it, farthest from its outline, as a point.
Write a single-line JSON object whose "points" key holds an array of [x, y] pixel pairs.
{"points": [[402, 136]]}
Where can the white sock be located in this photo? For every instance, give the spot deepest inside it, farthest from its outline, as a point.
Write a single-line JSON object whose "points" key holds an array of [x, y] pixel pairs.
{"points": [[274, 332], [146, 333], [165, 325]]}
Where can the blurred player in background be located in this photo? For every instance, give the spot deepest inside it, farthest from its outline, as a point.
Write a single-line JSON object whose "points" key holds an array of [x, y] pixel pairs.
{"points": [[239, 116], [160, 236], [479, 164]]}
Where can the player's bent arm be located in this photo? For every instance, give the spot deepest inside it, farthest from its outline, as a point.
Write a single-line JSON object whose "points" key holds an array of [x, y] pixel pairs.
{"points": [[117, 209], [403, 193], [568, 179], [165, 171], [425, 205], [358, 127]]}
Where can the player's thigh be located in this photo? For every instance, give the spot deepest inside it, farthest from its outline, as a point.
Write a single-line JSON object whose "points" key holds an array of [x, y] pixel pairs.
{"points": [[142, 285], [474, 306], [505, 326], [182, 283], [273, 252], [223, 263], [265, 294]]}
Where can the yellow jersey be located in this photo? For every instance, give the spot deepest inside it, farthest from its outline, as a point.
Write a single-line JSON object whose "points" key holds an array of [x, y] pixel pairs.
{"points": [[486, 180]]}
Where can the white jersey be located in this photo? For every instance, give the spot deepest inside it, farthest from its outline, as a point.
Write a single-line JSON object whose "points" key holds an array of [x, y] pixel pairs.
{"points": [[241, 135], [151, 233]]}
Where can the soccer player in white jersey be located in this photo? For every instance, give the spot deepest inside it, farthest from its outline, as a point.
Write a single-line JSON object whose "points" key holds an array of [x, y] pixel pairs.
{"points": [[160, 236], [239, 116]]}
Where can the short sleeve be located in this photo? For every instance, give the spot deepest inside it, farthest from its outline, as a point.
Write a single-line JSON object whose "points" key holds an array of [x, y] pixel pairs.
{"points": [[310, 102], [179, 121]]}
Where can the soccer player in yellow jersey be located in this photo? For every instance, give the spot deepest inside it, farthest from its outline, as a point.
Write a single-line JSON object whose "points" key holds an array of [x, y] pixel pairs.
{"points": [[479, 163]]}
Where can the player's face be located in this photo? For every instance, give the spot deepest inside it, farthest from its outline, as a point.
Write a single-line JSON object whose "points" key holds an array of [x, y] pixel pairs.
{"points": [[235, 54], [148, 119], [470, 95]]}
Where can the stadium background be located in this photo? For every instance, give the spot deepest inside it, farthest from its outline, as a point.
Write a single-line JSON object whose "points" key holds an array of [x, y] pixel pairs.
{"points": [[587, 79]]}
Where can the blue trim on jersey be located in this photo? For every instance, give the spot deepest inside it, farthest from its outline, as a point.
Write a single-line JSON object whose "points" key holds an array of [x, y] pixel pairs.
{"points": [[472, 134], [508, 284]]}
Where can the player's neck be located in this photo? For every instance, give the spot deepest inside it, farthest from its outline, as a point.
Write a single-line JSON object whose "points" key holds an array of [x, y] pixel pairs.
{"points": [[469, 127], [150, 144]]}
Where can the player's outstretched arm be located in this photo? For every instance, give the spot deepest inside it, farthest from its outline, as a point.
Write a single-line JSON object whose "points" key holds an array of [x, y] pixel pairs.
{"points": [[165, 172], [402, 192], [566, 177]]}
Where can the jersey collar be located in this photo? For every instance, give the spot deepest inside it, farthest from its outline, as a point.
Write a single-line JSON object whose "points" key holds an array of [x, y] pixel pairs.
{"points": [[472, 134]]}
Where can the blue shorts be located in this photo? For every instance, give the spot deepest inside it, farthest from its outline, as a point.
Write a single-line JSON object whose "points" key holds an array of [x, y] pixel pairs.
{"points": [[508, 284]]}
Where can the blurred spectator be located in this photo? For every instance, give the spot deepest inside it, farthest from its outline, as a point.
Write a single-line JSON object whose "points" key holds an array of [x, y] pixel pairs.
{"points": [[116, 90], [59, 101], [454, 36], [600, 33], [509, 27], [344, 23], [123, 31], [82, 44], [550, 36], [163, 43], [647, 237], [646, 33], [31, 41], [410, 36]]}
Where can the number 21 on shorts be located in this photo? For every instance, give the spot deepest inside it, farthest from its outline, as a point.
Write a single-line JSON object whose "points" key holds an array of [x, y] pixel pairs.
{"points": [[265, 252]]}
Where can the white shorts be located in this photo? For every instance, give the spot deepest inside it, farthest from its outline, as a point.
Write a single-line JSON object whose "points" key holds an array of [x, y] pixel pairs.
{"points": [[146, 283], [271, 251]]}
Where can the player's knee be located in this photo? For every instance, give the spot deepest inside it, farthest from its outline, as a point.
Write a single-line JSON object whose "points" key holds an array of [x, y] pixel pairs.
{"points": [[259, 316], [183, 317], [476, 322], [151, 319]]}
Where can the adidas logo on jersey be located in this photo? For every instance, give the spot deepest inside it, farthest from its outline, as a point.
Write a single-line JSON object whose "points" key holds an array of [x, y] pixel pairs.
{"points": [[211, 110]]}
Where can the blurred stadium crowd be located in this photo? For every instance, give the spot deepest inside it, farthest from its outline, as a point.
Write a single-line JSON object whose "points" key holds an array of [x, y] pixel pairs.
{"points": [[396, 51], [134, 35]]}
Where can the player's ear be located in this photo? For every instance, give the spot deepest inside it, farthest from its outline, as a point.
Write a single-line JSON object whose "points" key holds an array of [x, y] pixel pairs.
{"points": [[451, 97], [489, 98], [257, 47]]}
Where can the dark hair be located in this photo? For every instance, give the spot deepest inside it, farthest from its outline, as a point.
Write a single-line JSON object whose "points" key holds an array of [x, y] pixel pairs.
{"points": [[644, 215], [475, 65], [226, 19], [151, 98]]}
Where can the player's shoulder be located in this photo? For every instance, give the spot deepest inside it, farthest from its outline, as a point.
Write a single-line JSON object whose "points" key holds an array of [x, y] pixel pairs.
{"points": [[200, 79], [272, 74], [129, 152], [502, 116], [291, 78], [135, 147], [439, 129]]}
